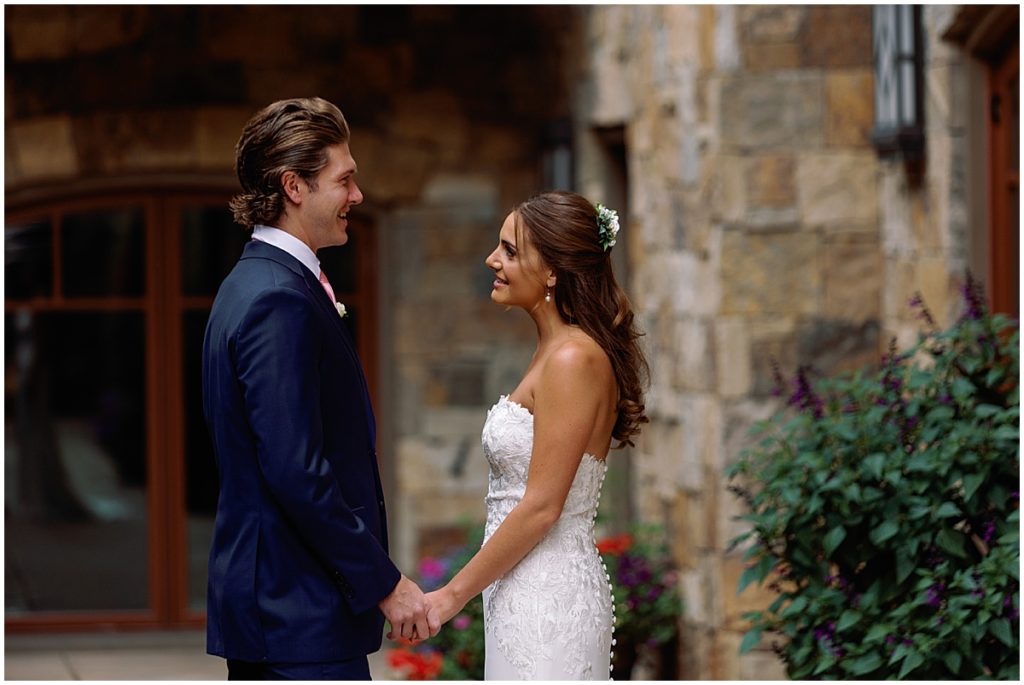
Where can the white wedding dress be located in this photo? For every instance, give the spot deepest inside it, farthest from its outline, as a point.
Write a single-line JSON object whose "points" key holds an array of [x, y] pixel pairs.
{"points": [[551, 616]]}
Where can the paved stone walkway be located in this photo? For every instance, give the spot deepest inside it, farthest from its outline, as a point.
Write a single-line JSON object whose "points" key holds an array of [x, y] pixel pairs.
{"points": [[123, 656]]}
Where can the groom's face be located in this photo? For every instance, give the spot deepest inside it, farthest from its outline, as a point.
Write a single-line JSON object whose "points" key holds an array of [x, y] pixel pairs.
{"points": [[324, 211], [518, 273]]}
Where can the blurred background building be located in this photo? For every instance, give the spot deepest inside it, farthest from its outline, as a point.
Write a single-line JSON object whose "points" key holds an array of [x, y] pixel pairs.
{"points": [[788, 178]]}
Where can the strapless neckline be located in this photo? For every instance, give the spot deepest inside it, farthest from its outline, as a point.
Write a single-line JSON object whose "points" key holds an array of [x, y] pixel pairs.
{"points": [[515, 405]]}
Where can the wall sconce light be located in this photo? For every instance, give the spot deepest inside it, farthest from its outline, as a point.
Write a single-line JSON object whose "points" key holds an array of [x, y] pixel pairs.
{"points": [[899, 104]]}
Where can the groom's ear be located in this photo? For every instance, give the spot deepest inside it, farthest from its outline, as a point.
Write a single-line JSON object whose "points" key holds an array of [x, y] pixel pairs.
{"points": [[290, 186]]}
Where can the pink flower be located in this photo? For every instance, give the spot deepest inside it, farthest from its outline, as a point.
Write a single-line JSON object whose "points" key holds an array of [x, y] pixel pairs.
{"points": [[461, 622], [431, 569]]}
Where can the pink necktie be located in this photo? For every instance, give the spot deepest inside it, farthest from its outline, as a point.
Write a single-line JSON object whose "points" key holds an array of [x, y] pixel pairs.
{"points": [[327, 286]]}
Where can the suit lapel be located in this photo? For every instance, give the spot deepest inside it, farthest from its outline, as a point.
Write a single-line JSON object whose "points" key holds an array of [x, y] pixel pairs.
{"points": [[256, 249]]}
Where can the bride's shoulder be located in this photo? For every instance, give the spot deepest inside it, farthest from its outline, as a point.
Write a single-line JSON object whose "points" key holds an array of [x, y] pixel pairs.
{"points": [[576, 355]]}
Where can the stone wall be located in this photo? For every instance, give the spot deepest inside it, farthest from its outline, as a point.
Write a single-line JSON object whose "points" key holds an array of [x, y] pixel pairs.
{"points": [[762, 225], [928, 229]]}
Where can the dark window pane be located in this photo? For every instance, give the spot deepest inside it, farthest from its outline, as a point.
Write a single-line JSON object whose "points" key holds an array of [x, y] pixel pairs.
{"points": [[211, 243], [200, 466], [103, 253], [75, 462], [28, 260]]}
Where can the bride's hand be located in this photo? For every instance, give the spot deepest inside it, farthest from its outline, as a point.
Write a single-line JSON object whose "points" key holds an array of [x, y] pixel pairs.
{"points": [[443, 604]]}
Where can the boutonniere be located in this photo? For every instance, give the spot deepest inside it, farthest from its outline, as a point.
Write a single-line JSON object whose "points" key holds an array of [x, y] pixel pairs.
{"points": [[341, 309]]}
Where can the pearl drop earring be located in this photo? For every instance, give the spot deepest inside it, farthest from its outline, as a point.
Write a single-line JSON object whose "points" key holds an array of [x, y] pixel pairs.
{"points": [[547, 294]]}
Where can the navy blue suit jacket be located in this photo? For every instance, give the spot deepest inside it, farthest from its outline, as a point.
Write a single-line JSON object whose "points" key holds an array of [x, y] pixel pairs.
{"points": [[299, 559]]}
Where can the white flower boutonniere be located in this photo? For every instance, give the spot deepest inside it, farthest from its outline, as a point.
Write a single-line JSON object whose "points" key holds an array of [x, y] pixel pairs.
{"points": [[341, 309]]}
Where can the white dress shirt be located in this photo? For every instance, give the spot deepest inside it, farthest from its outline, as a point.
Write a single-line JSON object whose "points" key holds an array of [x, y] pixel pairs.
{"points": [[290, 244]]}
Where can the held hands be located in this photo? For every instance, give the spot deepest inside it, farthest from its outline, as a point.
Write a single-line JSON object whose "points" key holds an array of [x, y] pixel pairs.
{"points": [[407, 609], [443, 605]]}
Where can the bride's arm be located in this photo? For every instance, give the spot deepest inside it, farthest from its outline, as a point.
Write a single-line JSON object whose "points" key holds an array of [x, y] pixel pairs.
{"points": [[565, 411]]}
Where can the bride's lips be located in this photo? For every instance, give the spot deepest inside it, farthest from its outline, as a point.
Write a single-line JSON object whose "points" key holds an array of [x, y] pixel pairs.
{"points": [[498, 283]]}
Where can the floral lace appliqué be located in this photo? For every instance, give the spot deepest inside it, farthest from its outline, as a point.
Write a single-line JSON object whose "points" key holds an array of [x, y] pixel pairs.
{"points": [[551, 615]]}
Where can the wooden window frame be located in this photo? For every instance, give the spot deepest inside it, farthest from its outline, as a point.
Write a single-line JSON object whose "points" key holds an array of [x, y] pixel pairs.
{"points": [[163, 306]]}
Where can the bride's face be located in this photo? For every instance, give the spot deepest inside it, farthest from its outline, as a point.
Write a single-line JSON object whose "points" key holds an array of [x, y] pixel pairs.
{"points": [[518, 271]]}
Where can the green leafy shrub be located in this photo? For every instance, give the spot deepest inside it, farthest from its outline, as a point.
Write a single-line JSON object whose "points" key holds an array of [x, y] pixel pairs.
{"points": [[885, 511]]}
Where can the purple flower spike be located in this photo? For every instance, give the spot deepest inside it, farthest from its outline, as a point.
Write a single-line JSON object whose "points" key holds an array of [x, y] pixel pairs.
{"points": [[974, 299], [917, 302], [989, 531], [934, 594]]}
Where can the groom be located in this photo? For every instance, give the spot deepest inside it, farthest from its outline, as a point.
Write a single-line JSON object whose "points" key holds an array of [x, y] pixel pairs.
{"points": [[300, 581]]}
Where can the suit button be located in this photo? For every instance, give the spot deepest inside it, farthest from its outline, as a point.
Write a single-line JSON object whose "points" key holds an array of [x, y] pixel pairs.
{"points": [[381, 504]]}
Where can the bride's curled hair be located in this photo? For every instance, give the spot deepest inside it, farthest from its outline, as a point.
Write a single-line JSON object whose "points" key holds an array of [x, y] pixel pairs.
{"points": [[563, 228]]}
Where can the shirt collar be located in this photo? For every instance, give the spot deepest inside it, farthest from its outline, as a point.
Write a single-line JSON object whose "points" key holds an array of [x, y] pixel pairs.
{"points": [[290, 244]]}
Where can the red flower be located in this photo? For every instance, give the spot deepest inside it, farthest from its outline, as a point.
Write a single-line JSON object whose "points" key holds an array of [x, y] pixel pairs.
{"points": [[418, 665], [615, 545]]}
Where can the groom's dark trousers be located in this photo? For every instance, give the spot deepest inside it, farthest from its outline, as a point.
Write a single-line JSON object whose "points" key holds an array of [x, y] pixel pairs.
{"points": [[299, 559], [354, 669]]}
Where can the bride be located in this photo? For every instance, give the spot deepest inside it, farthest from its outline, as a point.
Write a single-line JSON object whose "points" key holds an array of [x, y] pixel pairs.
{"points": [[548, 609]]}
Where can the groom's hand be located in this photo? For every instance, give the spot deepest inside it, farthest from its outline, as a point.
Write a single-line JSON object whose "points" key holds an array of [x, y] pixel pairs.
{"points": [[407, 609]]}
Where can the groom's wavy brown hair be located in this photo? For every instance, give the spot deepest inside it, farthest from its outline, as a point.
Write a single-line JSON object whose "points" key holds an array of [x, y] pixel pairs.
{"points": [[288, 135], [562, 227]]}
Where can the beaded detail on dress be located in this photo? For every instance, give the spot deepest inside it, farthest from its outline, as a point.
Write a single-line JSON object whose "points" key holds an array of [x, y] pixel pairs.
{"points": [[550, 616]]}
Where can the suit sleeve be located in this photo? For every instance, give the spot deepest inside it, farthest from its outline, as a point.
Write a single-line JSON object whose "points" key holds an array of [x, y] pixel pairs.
{"points": [[279, 345]]}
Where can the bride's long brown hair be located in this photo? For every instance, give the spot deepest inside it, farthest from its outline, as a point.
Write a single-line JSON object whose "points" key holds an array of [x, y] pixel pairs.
{"points": [[563, 228]]}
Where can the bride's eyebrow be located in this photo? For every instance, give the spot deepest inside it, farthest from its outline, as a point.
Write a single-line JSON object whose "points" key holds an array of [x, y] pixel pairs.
{"points": [[509, 245]]}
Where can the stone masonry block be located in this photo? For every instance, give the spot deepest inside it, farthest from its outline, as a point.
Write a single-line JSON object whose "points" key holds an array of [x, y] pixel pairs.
{"points": [[771, 23], [694, 593], [761, 664], [769, 111], [38, 32], [725, 661], [853, 276], [933, 279], [771, 56], [836, 36], [849, 108], [837, 188], [771, 181], [217, 131], [696, 355], [42, 148], [433, 117], [729, 188], [732, 343], [770, 273], [124, 142], [690, 530], [106, 27], [231, 35]]}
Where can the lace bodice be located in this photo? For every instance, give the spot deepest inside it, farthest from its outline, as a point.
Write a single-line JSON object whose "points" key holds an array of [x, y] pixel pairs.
{"points": [[550, 616], [508, 444]]}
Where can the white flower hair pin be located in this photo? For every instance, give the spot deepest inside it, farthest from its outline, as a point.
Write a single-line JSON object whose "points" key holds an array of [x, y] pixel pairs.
{"points": [[341, 309], [607, 226]]}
